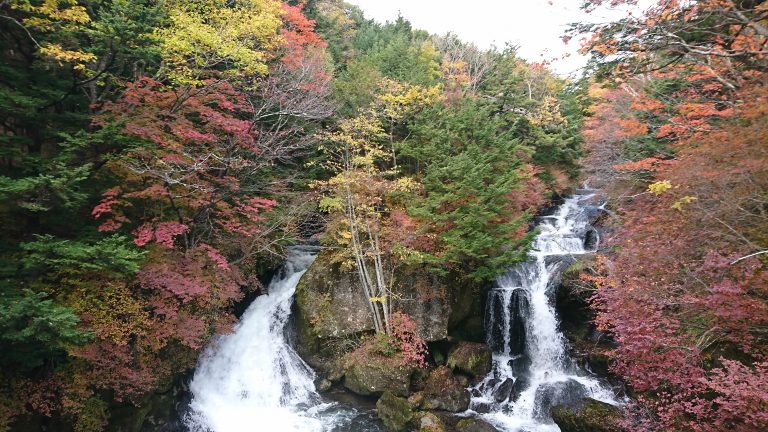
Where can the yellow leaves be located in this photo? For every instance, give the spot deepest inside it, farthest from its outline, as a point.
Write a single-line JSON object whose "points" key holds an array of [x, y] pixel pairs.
{"points": [[330, 204], [382, 299], [678, 205], [114, 312], [52, 13], [56, 52], [548, 114], [211, 34], [659, 187], [55, 16], [400, 100], [406, 184]]}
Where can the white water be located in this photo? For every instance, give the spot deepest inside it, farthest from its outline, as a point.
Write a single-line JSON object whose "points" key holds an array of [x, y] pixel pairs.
{"points": [[253, 380], [521, 303]]}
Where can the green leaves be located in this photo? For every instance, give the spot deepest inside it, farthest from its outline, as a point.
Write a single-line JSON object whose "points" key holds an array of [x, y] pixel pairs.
{"points": [[473, 165], [113, 255], [34, 329]]}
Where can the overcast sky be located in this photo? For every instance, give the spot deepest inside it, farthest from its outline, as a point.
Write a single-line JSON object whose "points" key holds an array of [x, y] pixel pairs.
{"points": [[536, 26]]}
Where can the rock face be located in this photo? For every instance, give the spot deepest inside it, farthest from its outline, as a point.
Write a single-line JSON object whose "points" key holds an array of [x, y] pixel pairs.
{"points": [[394, 412], [444, 392], [371, 376], [471, 358], [330, 303], [587, 415]]}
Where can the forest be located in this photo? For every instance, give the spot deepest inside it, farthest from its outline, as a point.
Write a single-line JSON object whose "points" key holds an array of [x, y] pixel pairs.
{"points": [[158, 160]]}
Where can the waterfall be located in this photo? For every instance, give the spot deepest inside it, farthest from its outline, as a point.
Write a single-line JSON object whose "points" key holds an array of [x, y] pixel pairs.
{"points": [[531, 369], [253, 379]]}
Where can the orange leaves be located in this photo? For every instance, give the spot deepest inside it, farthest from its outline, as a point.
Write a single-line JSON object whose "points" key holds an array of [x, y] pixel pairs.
{"points": [[632, 127], [647, 164], [645, 103]]}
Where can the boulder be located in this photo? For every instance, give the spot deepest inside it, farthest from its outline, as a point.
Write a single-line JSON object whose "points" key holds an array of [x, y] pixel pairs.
{"points": [[521, 383], [591, 240], [330, 302], [372, 375], [556, 393], [323, 385], [428, 422], [588, 415], [504, 390], [444, 392], [474, 425], [431, 312], [394, 412], [471, 358]]}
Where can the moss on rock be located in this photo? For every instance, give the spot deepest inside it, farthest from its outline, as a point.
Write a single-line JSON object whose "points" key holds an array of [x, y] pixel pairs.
{"points": [[474, 425], [428, 422], [471, 358], [444, 392], [588, 415], [394, 412], [369, 375]]}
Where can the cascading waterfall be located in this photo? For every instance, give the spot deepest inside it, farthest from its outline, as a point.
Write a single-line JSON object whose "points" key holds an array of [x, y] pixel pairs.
{"points": [[252, 379], [531, 369]]}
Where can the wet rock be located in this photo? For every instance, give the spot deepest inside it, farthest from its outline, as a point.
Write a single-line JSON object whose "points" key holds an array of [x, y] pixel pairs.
{"points": [[596, 214], [444, 392], [517, 307], [556, 393], [598, 362], [587, 415], [482, 407], [591, 239], [474, 425], [519, 312], [428, 422], [490, 384], [504, 390], [394, 412], [470, 357], [323, 385], [371, 375], [520, 365], [521, 383]]}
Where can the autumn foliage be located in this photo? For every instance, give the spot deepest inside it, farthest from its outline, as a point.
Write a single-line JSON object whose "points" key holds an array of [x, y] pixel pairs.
{"points": [[681, 139], [141, 214]]}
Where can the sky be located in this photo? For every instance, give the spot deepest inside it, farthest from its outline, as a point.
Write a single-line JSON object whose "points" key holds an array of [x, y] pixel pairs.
{"points": [[536, 26]]}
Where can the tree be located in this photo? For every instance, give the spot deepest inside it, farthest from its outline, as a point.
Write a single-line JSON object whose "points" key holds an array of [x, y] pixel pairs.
{"points": [[479, 189]]}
